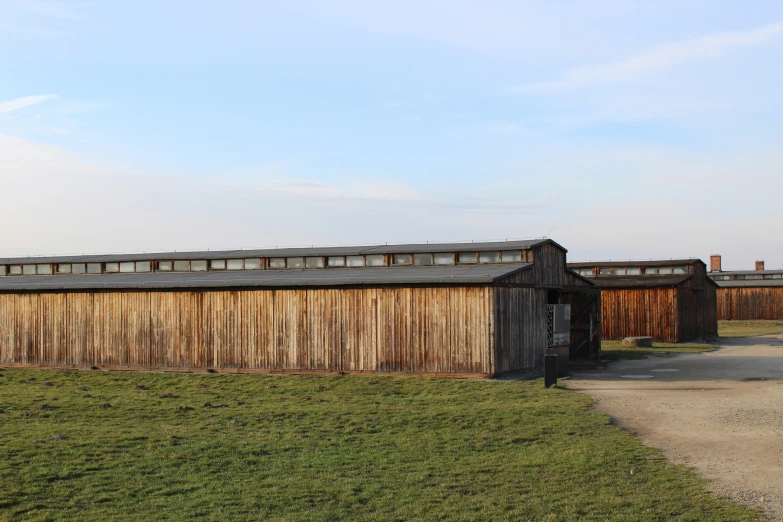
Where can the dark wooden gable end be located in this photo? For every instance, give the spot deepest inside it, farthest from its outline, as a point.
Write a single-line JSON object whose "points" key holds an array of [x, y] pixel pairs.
{"points": [[520, 304]]}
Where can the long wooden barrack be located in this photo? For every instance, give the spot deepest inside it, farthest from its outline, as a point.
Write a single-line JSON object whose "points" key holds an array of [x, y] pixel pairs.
{"points": [[478, 320]]}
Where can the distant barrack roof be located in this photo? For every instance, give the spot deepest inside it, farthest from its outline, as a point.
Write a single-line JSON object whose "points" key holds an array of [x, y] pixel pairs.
{"points": [[286, 252], [744, 272], [641, 281], [450, 274], [750, 283], [655, 262]]}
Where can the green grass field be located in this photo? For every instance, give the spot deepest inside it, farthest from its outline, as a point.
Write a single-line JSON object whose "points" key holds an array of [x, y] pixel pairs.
{"points": [[83, 445], [749, 328]]}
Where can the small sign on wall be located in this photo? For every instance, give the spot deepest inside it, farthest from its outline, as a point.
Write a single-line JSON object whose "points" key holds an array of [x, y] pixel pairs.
{"points": [[558, 325]]}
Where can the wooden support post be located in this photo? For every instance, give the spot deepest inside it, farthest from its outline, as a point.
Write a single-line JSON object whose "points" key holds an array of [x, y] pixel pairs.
{"points": [[550, 370]]}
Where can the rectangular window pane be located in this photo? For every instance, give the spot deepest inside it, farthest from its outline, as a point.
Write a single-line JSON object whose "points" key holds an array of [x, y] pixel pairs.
{"points": [[143, 266], [489, 257], [355, 260], [44, 269], [314, 262], [94, 268], [680, 270], [15, 270], [252, 264], [163, 266], [375, 260], [511, 256], [422, 259], [604, 271], [634, 271], [586, 272], [64, 268], [619, 271], [777, 276], [336, 261], [650, 271], [401, 259], [665, 270], [2, 270], [28, 269], [235, 264], [217, 264], [444, 259], [277, 262], [294, 262], [466, 257], [80, 268], [199, 265], [181, 266], [127, 267]]}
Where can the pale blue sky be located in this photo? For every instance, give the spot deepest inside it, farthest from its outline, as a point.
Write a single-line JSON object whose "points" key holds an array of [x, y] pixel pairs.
{"points": [[628, 131]]}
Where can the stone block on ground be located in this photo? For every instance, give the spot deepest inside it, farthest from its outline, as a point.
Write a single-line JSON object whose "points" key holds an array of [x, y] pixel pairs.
{"points": [[638, 342]]}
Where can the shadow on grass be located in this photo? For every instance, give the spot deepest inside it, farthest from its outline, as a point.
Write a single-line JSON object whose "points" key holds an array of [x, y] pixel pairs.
{"points": [[614, 350]]}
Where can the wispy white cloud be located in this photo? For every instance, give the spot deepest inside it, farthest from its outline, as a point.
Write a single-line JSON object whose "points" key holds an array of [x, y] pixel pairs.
{"points": [[656, 60], [131, 210], [25, 101]]}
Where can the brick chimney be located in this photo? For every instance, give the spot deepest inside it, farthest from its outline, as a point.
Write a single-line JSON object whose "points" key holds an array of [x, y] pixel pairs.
{"points": [[715, 263], [759, 265]]}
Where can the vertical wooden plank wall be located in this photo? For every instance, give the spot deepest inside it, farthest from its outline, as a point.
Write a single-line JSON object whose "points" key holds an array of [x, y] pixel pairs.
{"points": [[420, 330], [698, 314], [711, 313], [520, 328], [640, 312], [550, 266], [743, 304]]}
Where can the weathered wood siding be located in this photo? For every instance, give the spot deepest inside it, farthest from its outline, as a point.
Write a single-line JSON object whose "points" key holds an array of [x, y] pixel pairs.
{"points": [[520, 329], [744, 304], [549, 268], [445, 330], [698, 314], [640, 312]]}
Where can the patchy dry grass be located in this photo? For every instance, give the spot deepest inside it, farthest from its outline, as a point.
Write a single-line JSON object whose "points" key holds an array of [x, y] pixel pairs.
{"points": [[749, 328], [134, 446]]}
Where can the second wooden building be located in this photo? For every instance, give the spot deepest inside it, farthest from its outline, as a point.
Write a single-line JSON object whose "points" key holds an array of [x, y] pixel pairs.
{"points": [[670, 301]]}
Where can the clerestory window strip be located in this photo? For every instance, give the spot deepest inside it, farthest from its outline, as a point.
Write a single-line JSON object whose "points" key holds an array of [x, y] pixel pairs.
{"points": [[270, 263]]}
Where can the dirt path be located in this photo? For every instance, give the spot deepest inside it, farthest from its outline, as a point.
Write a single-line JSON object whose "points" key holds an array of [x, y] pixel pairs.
{"points": [[720, 413]]}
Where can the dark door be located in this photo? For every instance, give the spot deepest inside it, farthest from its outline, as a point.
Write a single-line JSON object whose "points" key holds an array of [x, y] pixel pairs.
{"points": [[585, 328]]}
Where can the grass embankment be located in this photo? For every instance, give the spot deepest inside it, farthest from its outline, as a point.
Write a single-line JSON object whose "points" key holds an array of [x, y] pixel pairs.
{"points": [[749, 328], [120, 446], [614, 350]]}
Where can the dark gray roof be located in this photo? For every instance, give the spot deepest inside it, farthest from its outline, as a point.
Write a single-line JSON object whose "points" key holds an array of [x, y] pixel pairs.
{"points": [[642, 281], [655, 262], [287, 252], [745, 272], [750, 283], [411, 275]]}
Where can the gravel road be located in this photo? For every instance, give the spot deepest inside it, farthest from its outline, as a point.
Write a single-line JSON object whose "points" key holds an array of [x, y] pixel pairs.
{"points": [[720, 413]]}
